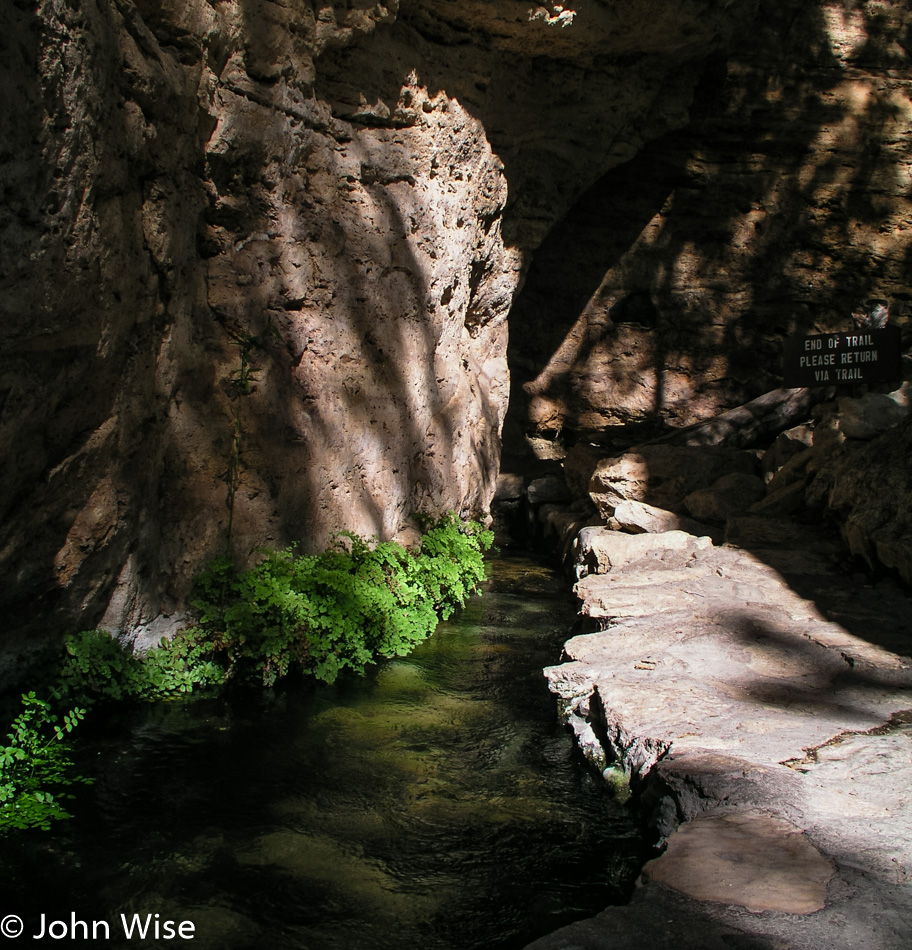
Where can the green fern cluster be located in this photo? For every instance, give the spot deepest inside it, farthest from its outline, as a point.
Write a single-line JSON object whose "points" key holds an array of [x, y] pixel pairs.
{"points": [[319, 614], [341, 609], [96, 666]]}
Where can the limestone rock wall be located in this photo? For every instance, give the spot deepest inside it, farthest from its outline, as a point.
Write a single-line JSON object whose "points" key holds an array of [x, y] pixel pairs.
{"points": [[265, 251], [867, 489], [663, 296]]}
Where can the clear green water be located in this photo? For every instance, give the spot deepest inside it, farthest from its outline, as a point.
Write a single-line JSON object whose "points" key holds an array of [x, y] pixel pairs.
{"points": [[436, 804]]}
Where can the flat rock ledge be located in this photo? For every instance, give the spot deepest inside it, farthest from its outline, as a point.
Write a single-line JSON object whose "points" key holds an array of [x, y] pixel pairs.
{"points": [[758, 700]]}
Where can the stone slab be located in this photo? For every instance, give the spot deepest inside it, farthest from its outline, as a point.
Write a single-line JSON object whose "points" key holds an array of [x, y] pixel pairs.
{"points": [[765, 706], [599, 550], [749, 859]]}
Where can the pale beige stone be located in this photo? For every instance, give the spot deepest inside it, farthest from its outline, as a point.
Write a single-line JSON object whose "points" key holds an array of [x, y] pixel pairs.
{"points": [[662, 475], [637, 517], [752, 860], [599, 550]]}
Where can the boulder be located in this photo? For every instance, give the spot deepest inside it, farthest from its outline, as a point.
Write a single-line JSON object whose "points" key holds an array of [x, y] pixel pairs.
{"points": [[801, 467], [782, 501], [727, 496], [598, 550], [786, 445], [636, 517], [578, 465], [867, 488], [557, 524], [794, 470], [509, 487], [894, 553], [663, 475], [873, 413], [548, 489]]}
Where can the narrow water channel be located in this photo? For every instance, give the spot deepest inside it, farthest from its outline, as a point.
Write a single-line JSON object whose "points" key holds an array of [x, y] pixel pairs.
{"points": [[436, 803]]}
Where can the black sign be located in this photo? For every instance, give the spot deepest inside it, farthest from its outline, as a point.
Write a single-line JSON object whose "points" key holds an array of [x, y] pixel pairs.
{"points": [[862, 356]]}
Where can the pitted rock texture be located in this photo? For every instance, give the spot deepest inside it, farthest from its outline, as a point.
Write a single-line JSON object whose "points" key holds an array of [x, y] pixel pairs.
{"points": [[217, 281], [266, 251], [663, 296], [564, 92], [867, 487]]}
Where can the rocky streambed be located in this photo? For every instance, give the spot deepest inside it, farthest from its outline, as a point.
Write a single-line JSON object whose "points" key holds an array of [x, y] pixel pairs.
{"points": [[753, 680]]}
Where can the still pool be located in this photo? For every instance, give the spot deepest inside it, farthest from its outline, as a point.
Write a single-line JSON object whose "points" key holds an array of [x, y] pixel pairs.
{"points": [[435, 804]]}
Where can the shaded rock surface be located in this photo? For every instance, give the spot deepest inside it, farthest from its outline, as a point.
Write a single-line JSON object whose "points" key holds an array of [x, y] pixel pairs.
{"points": [[663, 475], [731, 494], [756, 693], [224, 295], [762, 698], [663, 296], [867, 486], [261, 254], [751, 860], [873, 413], [785, 447], [846, 464]]}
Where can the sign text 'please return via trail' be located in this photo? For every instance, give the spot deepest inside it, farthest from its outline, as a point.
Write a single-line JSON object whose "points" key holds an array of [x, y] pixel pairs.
{"points": [[861, 356]]}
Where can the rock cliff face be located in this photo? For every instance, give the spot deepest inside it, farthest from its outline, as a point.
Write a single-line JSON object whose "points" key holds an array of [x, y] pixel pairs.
{"points": [[258, 257], [786, 203]]}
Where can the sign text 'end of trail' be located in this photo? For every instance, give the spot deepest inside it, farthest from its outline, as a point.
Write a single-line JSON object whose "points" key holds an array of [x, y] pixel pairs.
{"points": [[862, 356]]}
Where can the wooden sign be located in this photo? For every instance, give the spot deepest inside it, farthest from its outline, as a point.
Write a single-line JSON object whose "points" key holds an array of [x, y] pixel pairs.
{"points": [[861, 356]]}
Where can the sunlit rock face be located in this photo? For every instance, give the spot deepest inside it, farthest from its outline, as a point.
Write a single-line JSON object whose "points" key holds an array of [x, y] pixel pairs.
{"points": [[565, 92], [265, 252], [664, 295]]}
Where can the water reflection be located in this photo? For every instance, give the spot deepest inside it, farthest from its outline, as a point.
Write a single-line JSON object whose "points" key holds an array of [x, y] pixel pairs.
{"points": [[434, 804]]}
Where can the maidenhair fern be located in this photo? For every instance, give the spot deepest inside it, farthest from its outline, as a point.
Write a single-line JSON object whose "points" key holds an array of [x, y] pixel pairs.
{"points": [[341, 609], [316, 613], [319, 614]]}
